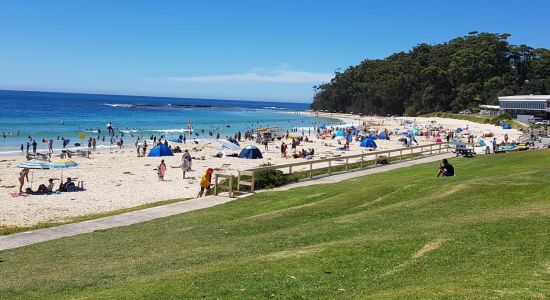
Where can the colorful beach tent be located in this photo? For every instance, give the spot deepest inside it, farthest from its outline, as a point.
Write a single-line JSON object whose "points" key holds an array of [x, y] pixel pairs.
{"points": [[382, 136], [507, 126], [372, 136], [160, 150], [482, 143], [368, 143], [322, 126], [355, 131], [340, 133], [250, 152]]}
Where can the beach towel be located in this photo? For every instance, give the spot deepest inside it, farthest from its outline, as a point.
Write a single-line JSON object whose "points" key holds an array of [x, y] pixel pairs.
{"points": [[16, 195]]}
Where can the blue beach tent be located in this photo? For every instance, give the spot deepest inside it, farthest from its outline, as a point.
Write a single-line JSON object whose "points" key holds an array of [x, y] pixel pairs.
{"points": [[368, 143], [372, 136], [160, 150], [382, 136], [340, 133], [251, 152], [507, 126]]}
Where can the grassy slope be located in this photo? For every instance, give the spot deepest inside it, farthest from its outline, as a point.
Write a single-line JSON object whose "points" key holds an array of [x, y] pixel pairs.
{"points": [[477, 119], [487, 230]]}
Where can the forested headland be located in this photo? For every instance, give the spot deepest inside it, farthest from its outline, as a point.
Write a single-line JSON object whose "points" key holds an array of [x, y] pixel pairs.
{"points": [[460, 74]]}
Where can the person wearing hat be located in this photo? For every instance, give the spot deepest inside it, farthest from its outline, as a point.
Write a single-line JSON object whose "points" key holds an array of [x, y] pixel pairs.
{"points": [[206, 180]]}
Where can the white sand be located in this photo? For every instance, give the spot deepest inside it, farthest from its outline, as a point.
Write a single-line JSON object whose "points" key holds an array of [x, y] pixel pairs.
{"points": [[119, 179]]}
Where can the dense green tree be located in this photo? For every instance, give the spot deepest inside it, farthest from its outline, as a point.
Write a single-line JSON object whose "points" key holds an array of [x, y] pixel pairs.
{"points": [[462, 73]]}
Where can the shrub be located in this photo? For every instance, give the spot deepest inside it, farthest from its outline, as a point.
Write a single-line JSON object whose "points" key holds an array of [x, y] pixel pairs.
{"points": [[272, 178]]}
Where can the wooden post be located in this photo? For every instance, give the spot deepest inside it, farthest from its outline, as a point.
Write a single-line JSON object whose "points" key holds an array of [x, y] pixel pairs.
{"points": [[290, 170], [346, 164], [310, 170], [238, 180], [362, 159], [216, 185], [431, 149], [401, 155], [252, 186], [231, 186], [329, 165]]}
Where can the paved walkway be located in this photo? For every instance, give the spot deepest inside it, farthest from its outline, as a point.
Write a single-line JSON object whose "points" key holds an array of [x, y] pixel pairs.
{"points": [[22, 239]]}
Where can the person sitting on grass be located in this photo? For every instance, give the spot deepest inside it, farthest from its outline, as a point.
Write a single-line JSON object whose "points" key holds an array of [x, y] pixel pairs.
{"points": [[206, 180], [446, 169]]}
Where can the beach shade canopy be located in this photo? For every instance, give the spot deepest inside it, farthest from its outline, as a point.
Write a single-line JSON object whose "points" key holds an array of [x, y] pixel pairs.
{"points": [[507, 126], [234, 141], [322, 126], [62, 164], [368, 143], [66, 142], [250, 152], [482, 143], [228, 145], [372, 136], [339, 138], [160, 150], [34, 164], [382, 136], [340, 133], [355, 131]]}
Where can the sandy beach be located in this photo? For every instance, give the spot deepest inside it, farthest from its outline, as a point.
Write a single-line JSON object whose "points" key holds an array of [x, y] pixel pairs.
{"points": [[119, 179]]}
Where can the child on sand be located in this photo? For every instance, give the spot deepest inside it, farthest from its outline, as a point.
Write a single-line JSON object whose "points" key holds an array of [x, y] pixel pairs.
{"points": [[161, 170]]}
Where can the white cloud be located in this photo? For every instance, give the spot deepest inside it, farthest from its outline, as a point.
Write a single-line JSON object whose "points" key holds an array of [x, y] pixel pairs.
{"points": [[282, 75]]}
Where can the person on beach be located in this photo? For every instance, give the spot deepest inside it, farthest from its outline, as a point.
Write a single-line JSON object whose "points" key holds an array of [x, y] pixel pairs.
{"points": [[34, 145], [50, 146], [186, 162], [144, 148], [28, 147], [206, 180], [44, 189], [446, 169], [161, 170], [94, 142], [22, 148], [137, 147], [22, 175], [283, 150]]}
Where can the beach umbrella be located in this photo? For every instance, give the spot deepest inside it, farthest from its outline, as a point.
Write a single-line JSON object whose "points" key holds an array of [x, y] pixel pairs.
{"points": [[340, 133], [228, 145], [62, 164], [322, 126], [34, 164]]}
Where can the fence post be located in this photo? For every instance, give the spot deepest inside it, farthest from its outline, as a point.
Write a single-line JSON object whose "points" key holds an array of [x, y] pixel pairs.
{"points": [[431, 150], [290, 170], [400, 155], [347, 163], [310, 170], [216, 185], [252, 186], [231, 186], [238, 180], [362, 158], [329, 165]]}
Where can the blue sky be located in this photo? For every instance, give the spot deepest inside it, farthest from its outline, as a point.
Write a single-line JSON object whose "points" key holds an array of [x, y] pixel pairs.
{"points": [[250, 50]]}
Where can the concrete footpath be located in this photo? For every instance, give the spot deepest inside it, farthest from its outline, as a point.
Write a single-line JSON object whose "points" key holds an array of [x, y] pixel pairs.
{"points": [[22, 239]]}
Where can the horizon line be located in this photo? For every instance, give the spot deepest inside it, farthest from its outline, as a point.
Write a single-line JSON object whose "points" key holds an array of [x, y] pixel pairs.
{"points": [[150, 96]]}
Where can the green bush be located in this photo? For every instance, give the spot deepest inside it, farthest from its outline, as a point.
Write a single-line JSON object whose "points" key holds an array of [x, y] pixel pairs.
{"points": [[272, 178]]}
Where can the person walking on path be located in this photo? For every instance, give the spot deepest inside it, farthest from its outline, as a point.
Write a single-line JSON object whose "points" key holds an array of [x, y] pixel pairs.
{"points": [[186, 162], [206, 181], [161, 170]]}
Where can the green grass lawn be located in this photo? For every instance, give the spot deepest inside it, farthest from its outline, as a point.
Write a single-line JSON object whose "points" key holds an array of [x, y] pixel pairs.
{"points": [[478, 119], [400, 234]]}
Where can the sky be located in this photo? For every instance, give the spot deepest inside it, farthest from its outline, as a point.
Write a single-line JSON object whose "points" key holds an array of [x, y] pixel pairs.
{"points": [[238, 49]]}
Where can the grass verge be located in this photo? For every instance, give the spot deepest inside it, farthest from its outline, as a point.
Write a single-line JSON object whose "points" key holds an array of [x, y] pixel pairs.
{"points": [[397, 234]]}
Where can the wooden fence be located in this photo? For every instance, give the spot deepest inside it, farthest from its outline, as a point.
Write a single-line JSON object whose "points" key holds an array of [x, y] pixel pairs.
{"points": [[247, 177]]}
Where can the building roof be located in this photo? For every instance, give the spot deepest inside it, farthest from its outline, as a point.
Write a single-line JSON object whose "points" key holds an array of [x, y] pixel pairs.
{"points": [[525, 98], [485, 106]]}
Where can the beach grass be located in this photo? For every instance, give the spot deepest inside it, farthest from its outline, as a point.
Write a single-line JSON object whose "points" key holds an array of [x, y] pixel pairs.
{"points": [[397, 234], [5, 230]]}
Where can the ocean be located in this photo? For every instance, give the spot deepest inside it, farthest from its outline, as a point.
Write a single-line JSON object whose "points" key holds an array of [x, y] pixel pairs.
{"points": [[46, 115]]}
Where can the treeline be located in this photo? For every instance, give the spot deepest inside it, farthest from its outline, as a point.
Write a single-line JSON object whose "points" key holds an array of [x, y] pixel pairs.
{"points": [[460, 74]]}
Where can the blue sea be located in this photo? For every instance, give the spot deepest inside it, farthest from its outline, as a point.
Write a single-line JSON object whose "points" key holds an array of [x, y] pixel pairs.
{"points": [[45, 115]]}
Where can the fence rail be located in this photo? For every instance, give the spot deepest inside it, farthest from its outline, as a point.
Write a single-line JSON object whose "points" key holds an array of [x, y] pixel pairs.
{"points": [[247, 177]]}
